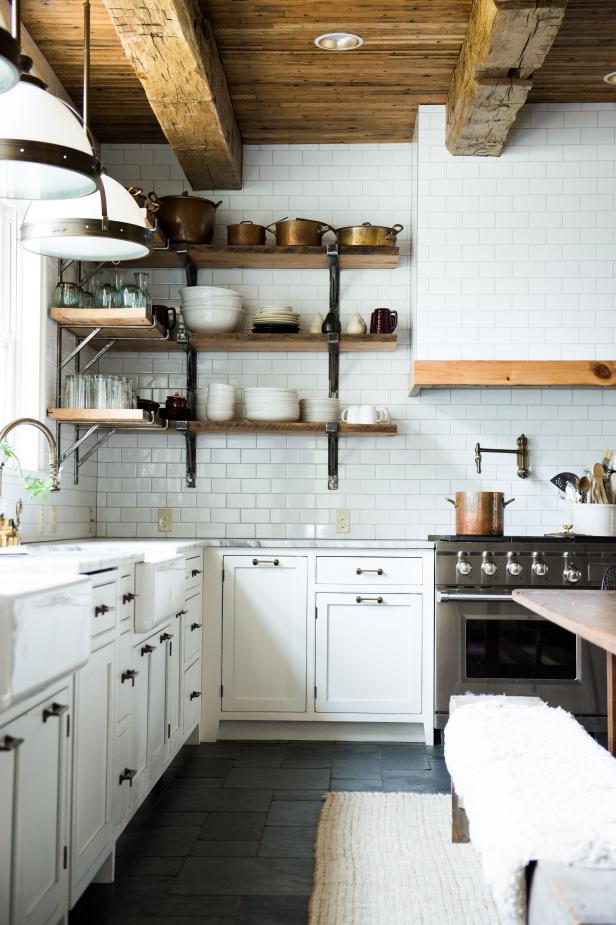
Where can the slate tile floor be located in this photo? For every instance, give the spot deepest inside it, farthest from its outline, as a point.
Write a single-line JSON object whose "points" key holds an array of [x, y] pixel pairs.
{"points": [[226, 838]]}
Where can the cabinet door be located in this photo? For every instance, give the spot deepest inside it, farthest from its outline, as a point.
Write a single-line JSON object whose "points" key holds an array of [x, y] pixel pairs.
{"points": [[92, 767], [139, 723], [368, 653], [9, 743], [157, 719], [41, 793], [264, 634], [192, 629], [122, 779], [174, 700], [191, 696], [126, 679]]}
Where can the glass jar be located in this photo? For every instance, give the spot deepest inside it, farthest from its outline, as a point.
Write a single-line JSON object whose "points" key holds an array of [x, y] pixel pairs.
{"points": [[86, 299], [67, 295], [105, 296], [142, 280]]}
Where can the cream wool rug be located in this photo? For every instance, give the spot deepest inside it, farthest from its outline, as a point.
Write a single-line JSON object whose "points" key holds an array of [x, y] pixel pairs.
{"points": [[387, 859]]}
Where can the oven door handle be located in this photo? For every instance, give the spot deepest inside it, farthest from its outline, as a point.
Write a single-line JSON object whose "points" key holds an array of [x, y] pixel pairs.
{"points": [[443, 597]]}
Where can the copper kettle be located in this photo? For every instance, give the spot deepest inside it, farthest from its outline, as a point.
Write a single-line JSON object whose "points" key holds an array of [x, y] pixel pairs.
{"points": [[479, 513]]}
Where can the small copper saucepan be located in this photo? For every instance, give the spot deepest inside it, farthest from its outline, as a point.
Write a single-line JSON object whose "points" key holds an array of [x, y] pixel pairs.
{"points": [[479, 513], [245, 233], [299, 232]]}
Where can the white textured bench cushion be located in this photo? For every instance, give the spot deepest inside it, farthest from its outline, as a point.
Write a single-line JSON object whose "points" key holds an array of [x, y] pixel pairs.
{"points": [[535, 786]]}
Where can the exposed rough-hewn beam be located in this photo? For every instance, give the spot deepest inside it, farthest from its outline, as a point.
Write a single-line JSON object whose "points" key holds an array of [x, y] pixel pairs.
{"points": [[172, 49], [506, 42]]}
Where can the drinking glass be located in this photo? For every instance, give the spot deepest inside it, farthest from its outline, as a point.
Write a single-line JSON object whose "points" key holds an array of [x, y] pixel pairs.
{"points": [[119, 287], [105, 296], [66, 295], [141, 280], [100, 397], [86, 299]]}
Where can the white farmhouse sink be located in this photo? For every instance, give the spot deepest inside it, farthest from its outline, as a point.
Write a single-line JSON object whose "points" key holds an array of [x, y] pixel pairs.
{"points": [[160, 591], [44, 631]]}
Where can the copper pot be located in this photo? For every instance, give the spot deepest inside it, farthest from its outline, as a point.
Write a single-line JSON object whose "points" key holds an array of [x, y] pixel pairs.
{"points": [[186, 219], [367, 235], [245, 233], [298, 232], [479, 513]]}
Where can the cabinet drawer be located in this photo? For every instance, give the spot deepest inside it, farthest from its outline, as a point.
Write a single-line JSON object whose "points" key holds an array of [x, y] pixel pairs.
{"points": [[194, 571], [127, 597], [191, 689], [104, 608], [369, 570], [126, 677], [192, 629]]}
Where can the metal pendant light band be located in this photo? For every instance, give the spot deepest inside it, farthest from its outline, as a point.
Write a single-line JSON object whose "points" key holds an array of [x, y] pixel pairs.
{"points": [[42, 152], [85, 228], [9, 48]]}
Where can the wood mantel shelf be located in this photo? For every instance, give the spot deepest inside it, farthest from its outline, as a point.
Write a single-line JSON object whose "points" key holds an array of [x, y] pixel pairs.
{"points": [[300, 428], [451, 374], [270, 257], [247, 342]]}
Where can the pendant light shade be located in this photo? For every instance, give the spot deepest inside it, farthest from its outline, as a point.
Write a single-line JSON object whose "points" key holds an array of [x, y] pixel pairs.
{"points": [[9, 61], [45, 152], [108, 225]]}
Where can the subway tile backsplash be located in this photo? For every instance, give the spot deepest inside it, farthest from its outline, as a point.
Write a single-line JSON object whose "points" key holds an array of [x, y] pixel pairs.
{"points": [[507, 257]]}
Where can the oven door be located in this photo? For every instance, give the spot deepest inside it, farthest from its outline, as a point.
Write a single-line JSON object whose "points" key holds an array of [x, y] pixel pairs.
{"points": [[488, 644]]}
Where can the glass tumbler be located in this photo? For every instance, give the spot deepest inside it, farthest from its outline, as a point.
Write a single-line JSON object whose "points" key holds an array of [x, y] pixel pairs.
{"points": [[105, 296], [141, 280], [67, 295], [86, 299], [100, 395]]}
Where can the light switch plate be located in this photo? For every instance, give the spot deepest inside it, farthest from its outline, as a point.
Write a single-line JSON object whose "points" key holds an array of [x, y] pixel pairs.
{"points": [[343, 520], [165, 520]]}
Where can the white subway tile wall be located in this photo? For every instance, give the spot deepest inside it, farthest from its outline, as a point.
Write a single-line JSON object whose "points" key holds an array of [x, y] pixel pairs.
{"points": [[483, 281]]}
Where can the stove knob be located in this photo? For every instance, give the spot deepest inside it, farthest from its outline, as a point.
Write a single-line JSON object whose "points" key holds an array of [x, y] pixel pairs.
{"points": [[540, 567], [488, 566], [514, 567], [463, 566], [572, 574]]}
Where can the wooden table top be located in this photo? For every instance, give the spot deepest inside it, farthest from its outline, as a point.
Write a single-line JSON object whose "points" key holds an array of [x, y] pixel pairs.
{"points": [[589, 614]]}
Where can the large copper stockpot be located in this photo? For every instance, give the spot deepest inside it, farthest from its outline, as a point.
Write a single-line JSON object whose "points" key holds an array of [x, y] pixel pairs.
{"points": [[479, 513], [298, 232], [186, 219]]}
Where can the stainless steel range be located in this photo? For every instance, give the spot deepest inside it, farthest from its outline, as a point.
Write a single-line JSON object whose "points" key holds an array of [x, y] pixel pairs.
{"points": [[486, 643]]}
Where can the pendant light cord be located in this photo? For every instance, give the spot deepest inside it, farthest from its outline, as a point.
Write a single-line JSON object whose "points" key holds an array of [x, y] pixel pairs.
{"points": [[16, 22], [86, 62]]}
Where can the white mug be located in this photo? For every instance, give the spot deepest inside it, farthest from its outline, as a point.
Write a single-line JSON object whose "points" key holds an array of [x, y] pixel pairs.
{"points": [[362, 414], [385, 415]]}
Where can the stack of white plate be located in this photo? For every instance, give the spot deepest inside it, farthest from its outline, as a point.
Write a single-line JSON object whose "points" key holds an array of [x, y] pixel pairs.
{"points": [[220, 402], [271, 404], [270, 319], [210, 308], [319, 409]]}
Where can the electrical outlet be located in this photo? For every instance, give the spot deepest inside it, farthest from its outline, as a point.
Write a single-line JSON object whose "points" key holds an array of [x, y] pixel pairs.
{"points": [[165, 520], [343, 520]]}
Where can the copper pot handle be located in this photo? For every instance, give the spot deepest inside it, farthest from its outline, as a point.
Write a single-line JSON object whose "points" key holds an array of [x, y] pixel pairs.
{"points": [[505, 503], [246, 222], [451, 501], [219, 203], [366, 224], [153, 204], [324, 227], [393, 233], [273, 225]]}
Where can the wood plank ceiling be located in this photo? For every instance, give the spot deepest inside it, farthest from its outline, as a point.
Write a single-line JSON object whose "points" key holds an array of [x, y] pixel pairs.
{"points": [[285, 90]]}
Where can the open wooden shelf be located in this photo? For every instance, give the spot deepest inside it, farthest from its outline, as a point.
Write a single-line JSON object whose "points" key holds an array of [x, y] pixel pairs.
{"points": [[270, 256], [107, 417], [451, 374], [290, 427], [246, 342], [114, 322]]}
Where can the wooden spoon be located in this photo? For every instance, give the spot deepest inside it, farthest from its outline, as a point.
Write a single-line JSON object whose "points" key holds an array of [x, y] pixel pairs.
{"points": [[599, 473], [584, 488]]}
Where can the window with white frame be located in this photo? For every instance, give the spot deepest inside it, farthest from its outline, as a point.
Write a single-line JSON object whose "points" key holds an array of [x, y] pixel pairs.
{"points": [[22, 334]]}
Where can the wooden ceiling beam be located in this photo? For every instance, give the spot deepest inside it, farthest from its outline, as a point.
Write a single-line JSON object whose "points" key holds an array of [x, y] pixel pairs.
{"points": [[172, 50], [506, 42]]}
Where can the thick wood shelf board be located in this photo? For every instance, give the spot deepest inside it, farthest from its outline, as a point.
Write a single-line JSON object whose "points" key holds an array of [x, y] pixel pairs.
{"points": [[270, 256], [114, 322], [290, 427], [509, 373], [246, 342], [116, 417]]}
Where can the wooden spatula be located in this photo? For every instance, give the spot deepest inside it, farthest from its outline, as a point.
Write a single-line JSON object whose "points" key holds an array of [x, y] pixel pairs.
{"points": [[598, 473]]}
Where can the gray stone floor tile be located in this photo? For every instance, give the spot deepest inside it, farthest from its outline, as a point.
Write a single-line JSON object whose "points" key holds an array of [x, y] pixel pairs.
{"points": [[164, 842], [294, 812], [245, 876], [287, 841], [358, 767], [277, 778], [273, 910], [139, 866], [294, 795], [352, 785], [325, 762], [404, 757], [205, 767], [225, 849], [232, 826], [217, 800]]}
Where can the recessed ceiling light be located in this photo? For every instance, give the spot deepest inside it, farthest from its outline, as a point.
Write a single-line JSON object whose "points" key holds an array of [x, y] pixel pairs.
{"points": [[610, 78], [338, 41]]}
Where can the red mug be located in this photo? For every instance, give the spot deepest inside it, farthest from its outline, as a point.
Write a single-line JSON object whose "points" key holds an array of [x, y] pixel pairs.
{"points": [[383, 321]]}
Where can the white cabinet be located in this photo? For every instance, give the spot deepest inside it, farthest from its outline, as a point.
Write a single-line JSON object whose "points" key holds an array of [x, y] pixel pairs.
{"points": [[192, 629], [92, 767], [264, 634], [171, 639], [34, 776], [191, 697], [369, 653], [157, 697], [139, 722]]}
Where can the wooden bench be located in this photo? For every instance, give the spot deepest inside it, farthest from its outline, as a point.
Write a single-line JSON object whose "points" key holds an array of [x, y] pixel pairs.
{"points": [[558, 894]]}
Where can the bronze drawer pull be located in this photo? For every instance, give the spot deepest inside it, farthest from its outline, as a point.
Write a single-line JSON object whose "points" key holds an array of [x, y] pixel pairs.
{"points": [[195, 626], [363, 571], [10, 743], [146, 649], [266, 561], [56, 709], [165, 637], [101, 609], [195, 694], [196, 572], [128, 774], [181, 613], [127, 598], [360, 600], [129, 675]]}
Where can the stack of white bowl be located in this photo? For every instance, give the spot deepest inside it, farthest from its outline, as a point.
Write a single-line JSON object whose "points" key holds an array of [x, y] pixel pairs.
{"points": [[319, 409], [263, 404], [211, 308], [220, 402]]}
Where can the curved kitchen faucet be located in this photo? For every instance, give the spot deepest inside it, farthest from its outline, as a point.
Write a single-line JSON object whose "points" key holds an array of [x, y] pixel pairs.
{"points": [[54, 474]]}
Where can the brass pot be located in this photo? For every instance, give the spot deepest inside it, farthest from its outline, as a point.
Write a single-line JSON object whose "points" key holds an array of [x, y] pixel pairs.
{"points": [[367, 235], [245, 233], [299, 232], [479, 513], [186, 219]]}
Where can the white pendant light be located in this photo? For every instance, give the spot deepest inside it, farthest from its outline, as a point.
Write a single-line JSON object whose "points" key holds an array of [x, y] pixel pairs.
{"points": [[45, 152], [108, 225], [9, 61]]}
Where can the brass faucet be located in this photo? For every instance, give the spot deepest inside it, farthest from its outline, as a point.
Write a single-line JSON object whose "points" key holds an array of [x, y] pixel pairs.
{"points": [[54, 474]]}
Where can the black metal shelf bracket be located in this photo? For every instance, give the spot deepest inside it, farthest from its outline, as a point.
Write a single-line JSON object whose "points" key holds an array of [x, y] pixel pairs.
{"points": [[190, 268], [332, 455], [191, 400], [333, 351], [191, 453]]}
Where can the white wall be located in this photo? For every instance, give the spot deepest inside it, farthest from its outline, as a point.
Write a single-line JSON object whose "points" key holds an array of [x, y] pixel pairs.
{"points": [[493, 253]]}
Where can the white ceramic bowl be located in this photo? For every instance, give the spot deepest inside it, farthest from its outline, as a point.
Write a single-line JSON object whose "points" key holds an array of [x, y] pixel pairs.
{"points": [[198, 320], [220, 414], [594, 519], [188, 293]]}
